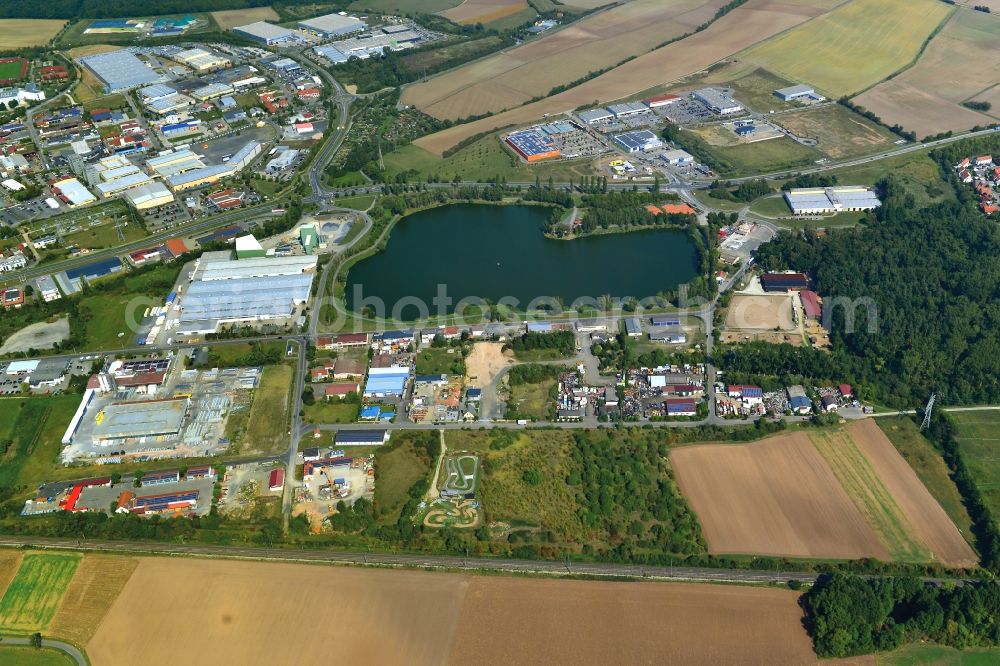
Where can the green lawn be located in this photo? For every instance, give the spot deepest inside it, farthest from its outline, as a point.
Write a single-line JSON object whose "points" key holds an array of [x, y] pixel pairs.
{"points": [[360, 202], [918, 172], [978, 439], [35, 592], [330, 411], [241, 353], [28, 656], [771, 206], [930, 467], [265, 187], [104, 236], [437, 361], [939, 655]]}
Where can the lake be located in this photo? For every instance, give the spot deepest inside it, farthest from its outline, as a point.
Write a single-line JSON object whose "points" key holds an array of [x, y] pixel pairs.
{"points": [[492, 252]]}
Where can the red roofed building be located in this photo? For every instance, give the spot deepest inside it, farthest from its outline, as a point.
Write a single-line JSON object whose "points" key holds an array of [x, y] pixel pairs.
{"points": [[141, 257], [319, 374], [227, 198], [53, 72], [341, 390], [324, 342], [308, 93], [984, 159], [661, 100], [846, 390], [989, 209], [810, 303], [345, 340], [176, 247], [276, 481], [12, 298]]}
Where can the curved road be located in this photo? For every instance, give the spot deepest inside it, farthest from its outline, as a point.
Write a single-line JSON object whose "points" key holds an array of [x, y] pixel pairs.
{"points": [[72, 651]]}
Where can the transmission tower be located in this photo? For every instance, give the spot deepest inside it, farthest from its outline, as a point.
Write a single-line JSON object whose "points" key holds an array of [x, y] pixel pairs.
{"points": [[927, 413]]}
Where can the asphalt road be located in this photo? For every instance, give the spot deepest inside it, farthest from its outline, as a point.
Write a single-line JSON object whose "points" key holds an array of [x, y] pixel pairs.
{"points": [[74, 654]]}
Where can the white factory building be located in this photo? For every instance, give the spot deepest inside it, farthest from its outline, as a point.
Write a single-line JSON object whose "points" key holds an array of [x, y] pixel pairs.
{"points": [[333, 25], [717, 101], [814, 201]]}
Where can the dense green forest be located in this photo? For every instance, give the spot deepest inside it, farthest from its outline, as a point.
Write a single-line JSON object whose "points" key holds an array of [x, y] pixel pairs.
{"points": [[923, 286], [122, 8], [848, 615]]}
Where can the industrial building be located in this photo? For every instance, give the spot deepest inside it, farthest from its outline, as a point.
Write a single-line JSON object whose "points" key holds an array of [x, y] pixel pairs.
{"points": [[201, 60], [532, 146], [792, 93], [592, 116], [717, 101], [813, 201], [661, 100], [150, 195], [120, 70], [72, 192], [211, 90], [333, 25], [132, 420], [251, 290], [386, 382], [247, 247], [361, 437], [639, 141], [628, 109], [206, 175], [677, 157], [265, 33]]}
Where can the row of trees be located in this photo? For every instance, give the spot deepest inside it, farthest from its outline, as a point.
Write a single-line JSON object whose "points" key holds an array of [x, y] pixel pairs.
{"points": [[563, 342]]}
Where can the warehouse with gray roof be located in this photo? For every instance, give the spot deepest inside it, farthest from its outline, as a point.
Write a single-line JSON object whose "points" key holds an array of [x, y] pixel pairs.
{"points": [[265, 33], [120, 70], [812, 201], [132, 420], [333, 25]]}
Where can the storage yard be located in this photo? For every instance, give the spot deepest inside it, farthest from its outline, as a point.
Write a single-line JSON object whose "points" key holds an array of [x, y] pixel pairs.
{"points": [[743, 27], [958, 65], [795, 495], [510, 78]]}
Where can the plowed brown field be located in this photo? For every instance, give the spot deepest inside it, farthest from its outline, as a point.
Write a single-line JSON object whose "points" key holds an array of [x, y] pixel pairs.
{"points": [[929, 520], [511, 78], [229, 612], [752, 23], [773, 497]]}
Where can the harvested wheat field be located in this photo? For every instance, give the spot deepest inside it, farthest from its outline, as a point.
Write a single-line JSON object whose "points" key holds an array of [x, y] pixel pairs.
{"points": [[230, 612], [10, 560], [231, 18], [958, 65], [511, 78], [852, 47], [773, 497], [743, 27], [22, 33], [97, 583], [483, 11], [929, 520]]}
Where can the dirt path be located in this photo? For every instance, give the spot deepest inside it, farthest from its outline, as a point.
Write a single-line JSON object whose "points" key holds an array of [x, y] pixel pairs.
{"points": [[432, 492]]}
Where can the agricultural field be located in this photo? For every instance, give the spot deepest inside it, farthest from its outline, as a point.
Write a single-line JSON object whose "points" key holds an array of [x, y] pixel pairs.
{"points": [[24, 33], [930, 467], [511, 78], [836, 493], [938, 655], [231, 18], [977, 439], [34, 594], [436, 618], [470, 12], [852, 47], [267, 428], [98, 581], [739, 29], [839, 132], [958, 65], [406, 6]]}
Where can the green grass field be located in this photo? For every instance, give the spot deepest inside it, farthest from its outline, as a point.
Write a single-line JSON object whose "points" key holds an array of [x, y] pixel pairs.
{"points": [[939, 655], [360, 202], [532, 401], [28, 656], [930, 467], [10, 70], [756, 91], [918, 173], [397, 468], [771, 206], [33, 596], [267, 428], [483, 160], [869, 494], [330, 411], [853, 47], [35, 427], [766, 156], [839, 132], [104, 236], [238, 353], [979, 441], [437, 361]]}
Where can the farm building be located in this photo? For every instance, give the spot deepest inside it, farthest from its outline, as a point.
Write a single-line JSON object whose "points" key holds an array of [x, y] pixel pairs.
{"points": [[333, 25], [661, 100], [639, 141], [781, 282], [812, 201], [120, 70], [532, 146], [810, 304], [677, 157], [265, 33], [717, 101], [796, 92]]}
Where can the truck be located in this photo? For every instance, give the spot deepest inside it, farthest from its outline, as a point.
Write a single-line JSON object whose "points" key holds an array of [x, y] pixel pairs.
{"points": [[522, 422]]}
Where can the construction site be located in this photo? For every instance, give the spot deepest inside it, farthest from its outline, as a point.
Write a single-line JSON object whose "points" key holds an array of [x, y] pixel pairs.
{"points": [[330, 477]]}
